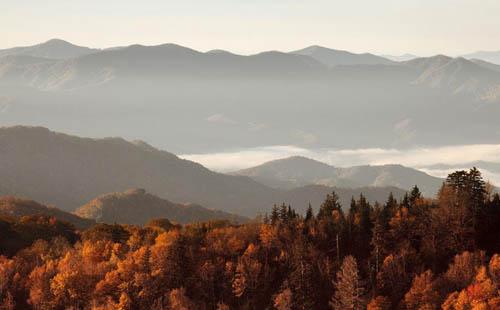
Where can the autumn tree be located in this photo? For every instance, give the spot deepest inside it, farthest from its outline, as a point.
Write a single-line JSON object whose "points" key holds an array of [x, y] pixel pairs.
{"points": [[379, 303], [422, 294], [348, 289], [284, 300]]}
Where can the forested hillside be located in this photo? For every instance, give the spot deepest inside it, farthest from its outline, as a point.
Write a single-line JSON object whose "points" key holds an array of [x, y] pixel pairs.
{"points": [[17, 207], [415, 253]]}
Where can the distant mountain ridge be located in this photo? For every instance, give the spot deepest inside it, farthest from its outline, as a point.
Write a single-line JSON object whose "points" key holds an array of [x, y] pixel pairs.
{"points": [[488, 56], [160, 61], [458, 75], [173, 92], [301, 171], [68, 171], [60, 65], [331, 57]]}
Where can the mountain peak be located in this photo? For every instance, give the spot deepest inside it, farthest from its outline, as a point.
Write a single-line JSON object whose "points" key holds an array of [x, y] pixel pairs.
{"points": [[57, 41], [52, 49], [299, 159], [219, 52], [332, 57]]}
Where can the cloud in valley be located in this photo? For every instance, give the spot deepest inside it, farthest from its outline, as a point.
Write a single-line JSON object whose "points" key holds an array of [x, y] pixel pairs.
{"points": [[220, 119]]}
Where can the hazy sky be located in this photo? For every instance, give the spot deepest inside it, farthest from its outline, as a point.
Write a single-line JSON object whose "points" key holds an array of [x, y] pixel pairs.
{"points": [[245, 26]]}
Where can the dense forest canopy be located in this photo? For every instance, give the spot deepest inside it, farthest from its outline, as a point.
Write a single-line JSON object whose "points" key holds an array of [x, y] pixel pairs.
{"points": [[416, 253]]}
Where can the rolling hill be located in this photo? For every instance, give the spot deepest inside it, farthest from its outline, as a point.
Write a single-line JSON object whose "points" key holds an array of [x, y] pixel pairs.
{"points": [[18, 207], [137, 207]]}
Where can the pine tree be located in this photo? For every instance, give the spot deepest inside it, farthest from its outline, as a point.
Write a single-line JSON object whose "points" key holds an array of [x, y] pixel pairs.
{"points": [[477, 193], [415, 195], [309, 213], [265, 220], [348, 289], [283, 213], [274, 215], [405, 203], [330, 204], [390, 206]]}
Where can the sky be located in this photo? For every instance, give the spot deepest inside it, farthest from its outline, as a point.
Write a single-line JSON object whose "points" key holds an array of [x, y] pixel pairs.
{"points": [[424, 27]]}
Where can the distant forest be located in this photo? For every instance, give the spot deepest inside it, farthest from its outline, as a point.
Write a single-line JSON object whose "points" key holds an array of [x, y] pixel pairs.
{"points": [[415, 253]]}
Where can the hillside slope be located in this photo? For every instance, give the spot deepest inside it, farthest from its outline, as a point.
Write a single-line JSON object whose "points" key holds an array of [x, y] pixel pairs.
{"points": [[18, 207], [138, 207]]}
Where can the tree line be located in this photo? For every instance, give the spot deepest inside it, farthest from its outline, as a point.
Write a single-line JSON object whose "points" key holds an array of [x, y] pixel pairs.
{"points": [[412, 253]]}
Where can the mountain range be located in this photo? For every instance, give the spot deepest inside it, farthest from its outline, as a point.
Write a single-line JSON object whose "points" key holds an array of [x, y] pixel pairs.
{"points": [[189, 101], [67, 172], [299, 171]]}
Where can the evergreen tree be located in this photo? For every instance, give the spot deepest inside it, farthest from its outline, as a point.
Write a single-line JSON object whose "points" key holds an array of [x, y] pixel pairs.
{"points": [[405, 203], [363, 228], [477, 192], [309, 213], [275, 215], [415, 195], [265, 220], [328, 206], [350, 220], [283, 213], [390, 206]]}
